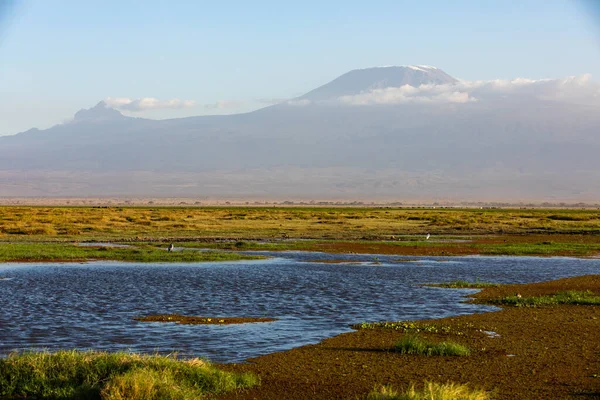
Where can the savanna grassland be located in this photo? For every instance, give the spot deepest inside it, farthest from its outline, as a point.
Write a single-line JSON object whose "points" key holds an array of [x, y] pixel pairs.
{"points": [[541, 232]]}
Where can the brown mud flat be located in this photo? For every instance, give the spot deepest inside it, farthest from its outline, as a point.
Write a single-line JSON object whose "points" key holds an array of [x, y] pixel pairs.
{"points": [[541, 353], [190, 320]]}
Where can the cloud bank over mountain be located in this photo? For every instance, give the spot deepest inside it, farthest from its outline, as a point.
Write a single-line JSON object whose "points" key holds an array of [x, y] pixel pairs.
{"points": [[146, 103], [579, 89]]}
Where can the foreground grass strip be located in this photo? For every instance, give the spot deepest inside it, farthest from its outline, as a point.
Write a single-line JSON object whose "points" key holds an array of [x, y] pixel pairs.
{"points": [[431, 391], [461, 284], [575, 297], [415, 345], [15, 252], [113, 376]]}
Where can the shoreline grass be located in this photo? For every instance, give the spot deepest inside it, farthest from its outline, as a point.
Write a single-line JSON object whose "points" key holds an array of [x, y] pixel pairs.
{"points": [[430, 391], [572, 297], [405, 326], [113, 376], [65, 252], [418, 327], [414, 345]]}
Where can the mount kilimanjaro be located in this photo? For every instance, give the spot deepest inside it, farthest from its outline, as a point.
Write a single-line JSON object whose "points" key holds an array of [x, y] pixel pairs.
{"points": [[410, 132]]}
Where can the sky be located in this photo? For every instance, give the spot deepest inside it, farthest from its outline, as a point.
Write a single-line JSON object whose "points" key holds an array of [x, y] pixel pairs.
{"points": [[168, 59]]}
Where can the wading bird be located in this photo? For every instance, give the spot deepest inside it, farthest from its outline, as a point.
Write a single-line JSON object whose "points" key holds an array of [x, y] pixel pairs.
{"points": [[171, 247], [427, 237]]}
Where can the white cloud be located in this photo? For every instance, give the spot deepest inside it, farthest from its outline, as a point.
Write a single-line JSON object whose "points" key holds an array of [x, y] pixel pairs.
{"points": [[302, 102], [146, 103], [271, 101], [224, 105], [579, 89]]}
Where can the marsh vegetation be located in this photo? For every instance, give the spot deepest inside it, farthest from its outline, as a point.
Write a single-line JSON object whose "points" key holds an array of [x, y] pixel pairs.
{"points": [[342, 230]]}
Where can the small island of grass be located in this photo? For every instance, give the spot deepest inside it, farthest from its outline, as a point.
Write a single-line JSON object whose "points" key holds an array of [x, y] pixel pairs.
{"points": [[191, 320], [461, 284]]}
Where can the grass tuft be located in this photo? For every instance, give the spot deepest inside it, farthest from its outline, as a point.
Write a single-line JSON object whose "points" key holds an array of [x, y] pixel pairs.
{"points": [[415, 345], [569, 297], [114, 376], [431, 391]]}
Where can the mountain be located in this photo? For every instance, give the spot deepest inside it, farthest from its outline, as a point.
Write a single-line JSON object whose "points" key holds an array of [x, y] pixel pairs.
{"points": [[363, 80], [380, 133], [101, 112]]}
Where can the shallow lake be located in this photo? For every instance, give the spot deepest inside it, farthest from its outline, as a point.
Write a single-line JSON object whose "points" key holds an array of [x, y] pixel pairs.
{"points": [[92, 306]]}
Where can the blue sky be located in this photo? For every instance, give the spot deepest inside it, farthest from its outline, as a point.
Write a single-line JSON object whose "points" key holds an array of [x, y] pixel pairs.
{"points": [[235, 56]]}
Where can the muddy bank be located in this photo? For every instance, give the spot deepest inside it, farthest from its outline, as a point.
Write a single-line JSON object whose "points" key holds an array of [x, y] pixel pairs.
{"points": [[534, 353]]}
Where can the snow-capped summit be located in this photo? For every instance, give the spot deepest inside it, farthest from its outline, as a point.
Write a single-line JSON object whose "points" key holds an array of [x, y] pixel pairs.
{"points": [[363, 80]]}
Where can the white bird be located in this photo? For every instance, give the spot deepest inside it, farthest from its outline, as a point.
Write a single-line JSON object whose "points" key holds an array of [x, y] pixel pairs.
{"points": [[171, 247], [428, 236]]}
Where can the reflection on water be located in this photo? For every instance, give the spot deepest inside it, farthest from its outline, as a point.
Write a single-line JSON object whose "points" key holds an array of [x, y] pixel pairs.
{"points": [[92, 305]]}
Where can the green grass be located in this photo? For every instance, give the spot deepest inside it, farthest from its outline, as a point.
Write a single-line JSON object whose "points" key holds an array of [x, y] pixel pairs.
{"points": [[569, 297], [412, 344], [11, 252], [431, 391], [113, 376], [461, 284]]}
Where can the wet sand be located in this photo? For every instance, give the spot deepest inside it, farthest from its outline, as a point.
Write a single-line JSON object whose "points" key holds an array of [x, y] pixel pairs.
{"points": [[540, 353]]}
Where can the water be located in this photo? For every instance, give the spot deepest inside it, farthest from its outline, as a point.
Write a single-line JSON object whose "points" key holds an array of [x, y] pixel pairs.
{"points": [[92, 305]]}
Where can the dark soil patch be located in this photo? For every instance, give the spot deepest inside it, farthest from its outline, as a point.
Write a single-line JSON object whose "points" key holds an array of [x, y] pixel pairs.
{"points": [[182, 319], [540, 353]]}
